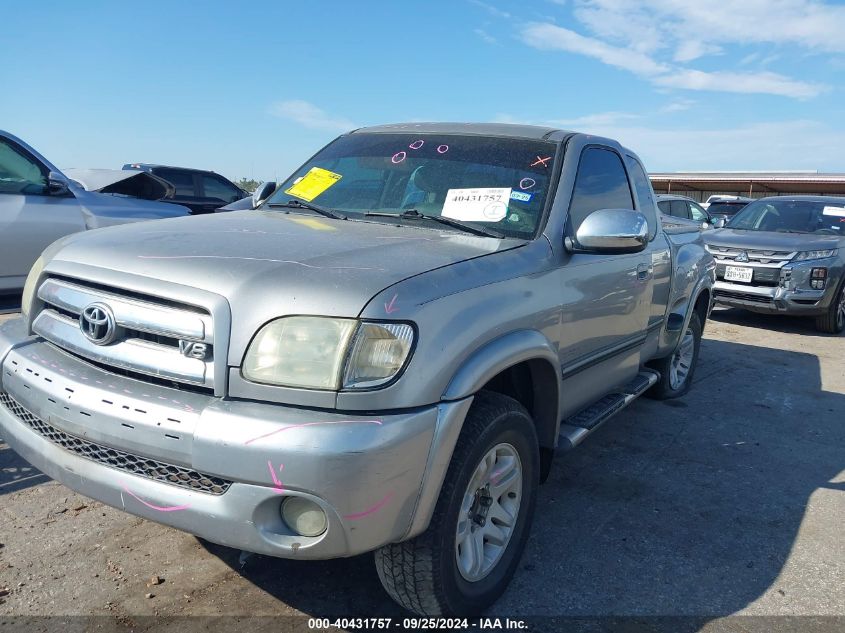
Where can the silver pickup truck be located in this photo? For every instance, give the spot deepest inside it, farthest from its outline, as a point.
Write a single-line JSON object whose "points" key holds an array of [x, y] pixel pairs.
{"points": [[385, 356]]}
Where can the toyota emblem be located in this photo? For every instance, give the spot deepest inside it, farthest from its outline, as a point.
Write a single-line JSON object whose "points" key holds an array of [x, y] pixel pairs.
{"points": [[97, 324]]}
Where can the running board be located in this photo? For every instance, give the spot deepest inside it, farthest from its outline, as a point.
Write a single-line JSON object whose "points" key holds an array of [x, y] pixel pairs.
{"points": [[575, 429]]}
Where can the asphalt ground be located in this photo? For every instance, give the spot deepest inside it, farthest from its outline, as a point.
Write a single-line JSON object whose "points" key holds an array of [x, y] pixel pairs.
{"points": [[727, 502]]}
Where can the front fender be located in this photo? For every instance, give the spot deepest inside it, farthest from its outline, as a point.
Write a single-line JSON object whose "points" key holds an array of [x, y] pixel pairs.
{"points": [[495, 357], [685, 295]]}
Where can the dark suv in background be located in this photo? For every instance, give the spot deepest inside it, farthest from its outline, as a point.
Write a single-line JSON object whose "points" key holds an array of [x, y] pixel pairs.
{"points": [[726, 206], [200, 191]]}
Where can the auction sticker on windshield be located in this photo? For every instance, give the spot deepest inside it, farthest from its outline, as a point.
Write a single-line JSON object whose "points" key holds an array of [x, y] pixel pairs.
{"points": [[488, 204], [739, 273], [312, 184], [837, 211]]}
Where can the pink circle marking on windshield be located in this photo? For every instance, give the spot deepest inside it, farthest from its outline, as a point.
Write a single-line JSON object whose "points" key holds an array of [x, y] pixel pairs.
{"points": [[527, 183], [398, 157], [417, 144], [442, 149]]}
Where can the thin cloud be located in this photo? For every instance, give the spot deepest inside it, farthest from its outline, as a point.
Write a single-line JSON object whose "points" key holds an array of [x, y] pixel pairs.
{"points": [[485, 36], [810, 24], [494, 11], [747, 83], [310, 116], [595, 120], [551, 37], [679, 105]]}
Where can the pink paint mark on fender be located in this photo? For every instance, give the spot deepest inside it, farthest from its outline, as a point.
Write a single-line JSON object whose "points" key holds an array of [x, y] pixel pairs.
{"points": [[306, 424], [369, 511], [390, 308], [155, 507], [279, 488]]}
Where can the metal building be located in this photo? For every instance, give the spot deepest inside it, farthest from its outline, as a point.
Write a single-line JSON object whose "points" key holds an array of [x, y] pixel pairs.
{"points": [[755, 184]]}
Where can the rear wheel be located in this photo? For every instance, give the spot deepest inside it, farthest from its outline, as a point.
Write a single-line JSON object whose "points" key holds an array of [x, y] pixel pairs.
{"points": [[466, 558], [677, 369], [833, 321]]}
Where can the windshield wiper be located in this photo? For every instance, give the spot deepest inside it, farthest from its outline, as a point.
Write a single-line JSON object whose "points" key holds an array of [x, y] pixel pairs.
{"points": [[296, 204], [413, 214]]}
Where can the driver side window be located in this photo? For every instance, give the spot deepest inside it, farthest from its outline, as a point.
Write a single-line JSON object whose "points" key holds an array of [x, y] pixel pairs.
{"points": [[698, 214], [19, 173], [601, 183]]}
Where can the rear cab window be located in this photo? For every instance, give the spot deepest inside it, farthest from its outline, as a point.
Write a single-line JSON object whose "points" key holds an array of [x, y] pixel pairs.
{"points": [[645, 194]]}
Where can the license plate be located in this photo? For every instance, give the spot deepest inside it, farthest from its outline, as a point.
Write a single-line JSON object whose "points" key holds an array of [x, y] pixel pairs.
{"points": [[739, 273]]}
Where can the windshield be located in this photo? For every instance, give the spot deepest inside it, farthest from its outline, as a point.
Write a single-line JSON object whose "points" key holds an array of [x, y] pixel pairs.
{"points": [[500, 183], [725, 208], [792, 216]]}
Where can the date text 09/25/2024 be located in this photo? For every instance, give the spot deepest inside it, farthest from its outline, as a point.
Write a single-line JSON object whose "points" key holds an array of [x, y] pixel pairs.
{"points": [[416, 624]]}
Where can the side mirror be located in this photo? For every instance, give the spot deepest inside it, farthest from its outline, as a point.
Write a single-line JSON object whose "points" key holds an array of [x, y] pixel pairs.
{"points": [[610, 231], [57, 184], [719, 223], [264, 191]]}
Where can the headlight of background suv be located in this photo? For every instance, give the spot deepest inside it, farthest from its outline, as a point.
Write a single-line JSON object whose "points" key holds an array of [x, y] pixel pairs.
{"points": [[30, 287], [317, 352], [805, 255]]}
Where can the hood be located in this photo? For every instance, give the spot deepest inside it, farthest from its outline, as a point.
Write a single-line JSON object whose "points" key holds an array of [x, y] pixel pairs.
{"points": [[268, 263], [770, 241], [128, 182]]}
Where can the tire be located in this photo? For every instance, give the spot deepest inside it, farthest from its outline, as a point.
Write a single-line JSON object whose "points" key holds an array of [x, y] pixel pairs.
{"points": [[423, 574], [833, 321], [671, 385]]}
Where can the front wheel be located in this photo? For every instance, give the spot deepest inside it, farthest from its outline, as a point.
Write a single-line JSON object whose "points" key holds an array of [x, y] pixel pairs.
{"points": [[833, 321], [677, 369], [468, 555]]}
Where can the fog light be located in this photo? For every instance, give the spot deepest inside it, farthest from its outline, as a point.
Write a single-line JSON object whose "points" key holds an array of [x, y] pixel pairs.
{"points": [[303, 516]]}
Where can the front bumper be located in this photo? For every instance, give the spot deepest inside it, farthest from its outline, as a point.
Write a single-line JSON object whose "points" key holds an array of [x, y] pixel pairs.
{"points": [[375, 476], [773, 300]]}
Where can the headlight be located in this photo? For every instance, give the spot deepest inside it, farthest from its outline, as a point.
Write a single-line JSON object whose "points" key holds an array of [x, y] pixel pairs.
{"points": [[299, 352], [805, 255], [327, 353], [378, 353], [30, 287]]}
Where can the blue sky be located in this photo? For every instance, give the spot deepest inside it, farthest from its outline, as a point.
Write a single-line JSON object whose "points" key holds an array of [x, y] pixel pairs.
{"points": [[254, 88]]}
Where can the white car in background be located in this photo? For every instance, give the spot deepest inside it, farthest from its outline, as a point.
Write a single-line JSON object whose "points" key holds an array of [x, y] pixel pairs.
{"points": [[39, 204]]}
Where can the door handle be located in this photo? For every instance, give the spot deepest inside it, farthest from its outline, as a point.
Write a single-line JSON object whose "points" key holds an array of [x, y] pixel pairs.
{"points": [[643, 271]]}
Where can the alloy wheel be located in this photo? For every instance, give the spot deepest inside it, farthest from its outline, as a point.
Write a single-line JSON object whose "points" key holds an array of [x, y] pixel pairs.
{"points": [[488, 512], [682, 359]]}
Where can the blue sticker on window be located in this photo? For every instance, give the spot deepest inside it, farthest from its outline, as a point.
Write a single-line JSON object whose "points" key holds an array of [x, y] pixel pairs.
{"points": [[522, 197]]}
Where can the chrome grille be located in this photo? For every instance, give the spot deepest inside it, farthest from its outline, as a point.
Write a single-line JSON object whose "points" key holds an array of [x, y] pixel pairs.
{"points": [[121, 460], [150, 337], [765, 258]]}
